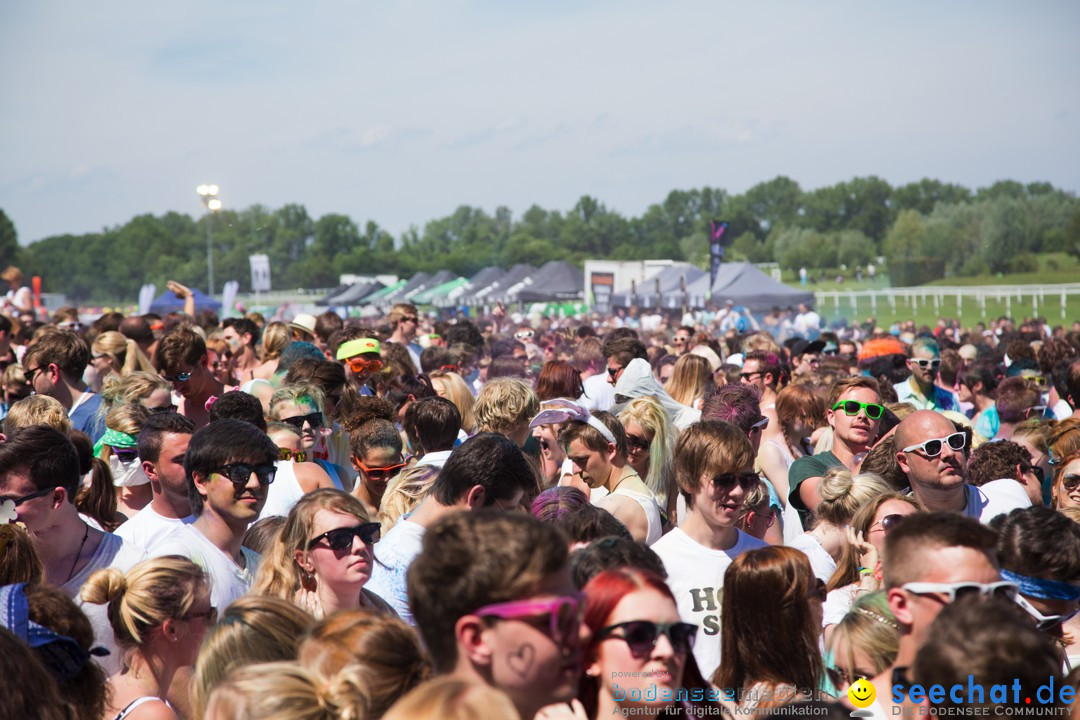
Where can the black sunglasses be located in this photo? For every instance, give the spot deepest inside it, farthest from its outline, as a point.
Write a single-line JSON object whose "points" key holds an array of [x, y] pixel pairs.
{"points": [[342, 538], [239, 473], [1037, 471], [641, 635], [614, 371], [727, 481], [633, 442], [313, 419], [126, 455]]}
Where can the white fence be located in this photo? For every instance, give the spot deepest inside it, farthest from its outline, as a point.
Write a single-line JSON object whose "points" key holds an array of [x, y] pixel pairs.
{"points": [[1040, 298]]}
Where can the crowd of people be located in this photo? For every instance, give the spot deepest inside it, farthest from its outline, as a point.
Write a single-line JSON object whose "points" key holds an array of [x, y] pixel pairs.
{"points": [[510, 517]]}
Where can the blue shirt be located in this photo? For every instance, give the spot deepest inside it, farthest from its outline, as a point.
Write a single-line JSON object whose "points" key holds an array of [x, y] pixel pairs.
{"points": [[85, 417]]}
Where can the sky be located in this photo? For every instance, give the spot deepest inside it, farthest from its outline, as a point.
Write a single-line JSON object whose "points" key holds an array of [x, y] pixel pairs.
{"points": [[399, 112]]}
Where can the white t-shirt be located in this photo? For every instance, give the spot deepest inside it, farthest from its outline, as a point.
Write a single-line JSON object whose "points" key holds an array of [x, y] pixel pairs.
{"points": [[148, 527], [997, 497], [820, 559], [228, 581], [394, 554], [599, 393], [838, 604], [696, 578], [284, 492], [112, 552], [435, 459]]}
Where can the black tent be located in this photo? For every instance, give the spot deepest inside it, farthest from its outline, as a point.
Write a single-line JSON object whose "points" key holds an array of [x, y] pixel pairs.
{"points": [[355, 293], [744, 284], [414, 286], [479, 281], [496, 291], [555, 281]]}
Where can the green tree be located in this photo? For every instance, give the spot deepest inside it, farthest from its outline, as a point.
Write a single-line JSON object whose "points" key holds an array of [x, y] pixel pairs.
{"points": [[9, 241]]}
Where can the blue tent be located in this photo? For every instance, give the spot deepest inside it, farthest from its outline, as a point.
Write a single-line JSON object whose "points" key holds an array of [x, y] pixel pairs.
{"points": [[167, 303]]}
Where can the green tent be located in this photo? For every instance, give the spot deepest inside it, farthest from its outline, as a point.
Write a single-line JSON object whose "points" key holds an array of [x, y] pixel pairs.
{"points": [[429, 296], [379, 295]]}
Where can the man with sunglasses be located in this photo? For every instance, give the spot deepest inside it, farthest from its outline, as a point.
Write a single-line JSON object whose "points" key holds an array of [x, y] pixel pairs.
{"points": [[182, 360], [620, 352], [854, 411], [714, 464], [54, 366], [495, 605], [932, 452], [162, 444], [920, 390], [404, 320], [486, 471], [929, 560], [229, 466], [362, 359]]}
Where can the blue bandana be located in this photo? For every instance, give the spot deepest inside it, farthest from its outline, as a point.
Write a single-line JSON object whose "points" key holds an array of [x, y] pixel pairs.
{"points": [[63, 657], [1042, 589]]}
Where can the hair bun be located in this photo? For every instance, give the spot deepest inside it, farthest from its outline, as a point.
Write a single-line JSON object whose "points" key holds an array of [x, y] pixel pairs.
{"points": [[104, 586], [836, 484]]}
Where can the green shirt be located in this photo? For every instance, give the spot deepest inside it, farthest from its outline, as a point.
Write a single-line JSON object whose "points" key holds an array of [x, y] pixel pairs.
{"points": [[808, 466]]}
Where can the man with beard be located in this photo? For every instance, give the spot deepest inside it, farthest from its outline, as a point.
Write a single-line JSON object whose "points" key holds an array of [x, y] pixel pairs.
{"points": [[933, 455], [854, 411], [920, 390], [182, 360]]}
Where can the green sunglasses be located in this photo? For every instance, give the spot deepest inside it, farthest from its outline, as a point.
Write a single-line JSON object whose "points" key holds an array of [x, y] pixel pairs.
{"points": [[852, 407]]}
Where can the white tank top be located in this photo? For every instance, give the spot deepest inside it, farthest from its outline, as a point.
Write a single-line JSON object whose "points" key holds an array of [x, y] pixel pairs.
{"points": [[651, 509], [284, 492]]}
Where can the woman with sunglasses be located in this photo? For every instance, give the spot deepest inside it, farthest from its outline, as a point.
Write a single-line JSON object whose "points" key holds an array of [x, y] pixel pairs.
{"points": [[1067, 481], [117, 448], [639, 649], [770, 625], [376, 456], [858, 569], [159, 612], [324, 557], [650, 447]]}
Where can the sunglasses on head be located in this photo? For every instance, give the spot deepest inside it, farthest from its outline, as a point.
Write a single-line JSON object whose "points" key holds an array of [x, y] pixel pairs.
{"points": [[178, 377], [342, 538], [932, 448], [727, 481], [239, 473], [294, 455], [1044, 622], [126, 455], [313, 419], [564, 614], [953, 591], [641, 636], [852, 407], [923, 363], [379, 473]]}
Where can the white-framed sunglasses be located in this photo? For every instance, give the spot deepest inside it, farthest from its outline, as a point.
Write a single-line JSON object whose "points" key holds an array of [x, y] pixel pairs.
{"points": [[1044, 622], [1001, 589], [933, 447]]}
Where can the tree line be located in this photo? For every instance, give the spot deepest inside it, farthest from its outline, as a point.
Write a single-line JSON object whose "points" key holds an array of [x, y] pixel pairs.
{"points": [[925, 229]]}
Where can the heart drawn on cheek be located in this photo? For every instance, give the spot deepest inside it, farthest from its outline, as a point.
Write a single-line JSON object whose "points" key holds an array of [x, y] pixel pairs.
{"points": [[521, 662]]}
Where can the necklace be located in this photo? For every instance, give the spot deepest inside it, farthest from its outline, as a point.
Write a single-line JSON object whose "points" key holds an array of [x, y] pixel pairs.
{"points": [[74, 564]]}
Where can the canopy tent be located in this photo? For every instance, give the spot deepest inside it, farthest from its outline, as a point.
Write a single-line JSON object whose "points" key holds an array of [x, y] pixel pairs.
{"points": [[434, 294], [496, 291], [354, 295], [555, 280], [480, 280], [745, 285], [435, 280], [675, 279], [386, 291], [416, 282], [328, 299], [167, 302]]}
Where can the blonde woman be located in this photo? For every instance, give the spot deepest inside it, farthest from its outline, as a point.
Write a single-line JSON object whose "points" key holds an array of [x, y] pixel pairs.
{"points": [[842, 494], [384, 653], [275, 338], [450, 698], [287, 691], [113, 354], [690, 381], [404, 493], [650, 448], [453, 387], [117, 447], [324, 557], [864, 643], [137, 388], [159, 612], [253, 629]]}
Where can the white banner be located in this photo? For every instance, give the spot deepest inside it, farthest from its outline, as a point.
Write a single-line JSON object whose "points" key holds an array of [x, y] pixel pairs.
{"points": [[260, 273]]}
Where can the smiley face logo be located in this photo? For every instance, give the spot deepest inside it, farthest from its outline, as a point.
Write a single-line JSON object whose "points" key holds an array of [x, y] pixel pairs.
{"points": [[861, 693]]}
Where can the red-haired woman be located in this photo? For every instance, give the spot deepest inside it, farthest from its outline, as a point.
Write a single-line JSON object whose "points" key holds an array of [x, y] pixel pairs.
{"points": [[641, 659]]}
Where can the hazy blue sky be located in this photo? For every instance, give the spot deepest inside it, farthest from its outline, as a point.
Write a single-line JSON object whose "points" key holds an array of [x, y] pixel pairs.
{"points": [[399, 112]]}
